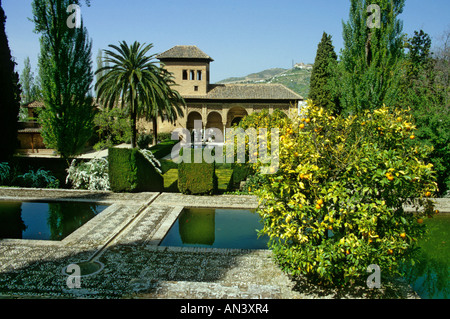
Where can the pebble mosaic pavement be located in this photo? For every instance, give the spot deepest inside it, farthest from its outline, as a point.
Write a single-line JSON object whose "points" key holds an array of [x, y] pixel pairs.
{"points": [[124, 238]]}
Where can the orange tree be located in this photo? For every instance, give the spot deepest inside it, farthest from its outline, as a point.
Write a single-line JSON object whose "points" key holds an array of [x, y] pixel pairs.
{"points": [[251, 140], [336, 204]]}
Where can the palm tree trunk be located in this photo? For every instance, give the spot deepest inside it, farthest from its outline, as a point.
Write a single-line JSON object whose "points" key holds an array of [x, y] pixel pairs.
{"points": [[133, 124], [133, 130], [155, 131]]}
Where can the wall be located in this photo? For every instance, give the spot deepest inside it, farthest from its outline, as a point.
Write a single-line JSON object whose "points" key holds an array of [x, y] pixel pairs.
{"points": [[187, 87]]}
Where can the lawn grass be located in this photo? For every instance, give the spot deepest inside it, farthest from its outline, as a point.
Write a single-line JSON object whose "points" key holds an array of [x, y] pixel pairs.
{"points": [[170, 174], [162, 149], [223, 177]]}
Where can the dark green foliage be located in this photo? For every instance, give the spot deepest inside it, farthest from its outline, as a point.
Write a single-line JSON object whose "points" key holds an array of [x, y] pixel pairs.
{"points": [[9, 96], [167, 165], [57, 166], [113, 127], [369, 71], [134, 80], [197, 178], [163, 149], [419, 55], [240, 173], [38, 179], [129, 171], [426, 90], [30, 90], [66, 75], [164, 136], [144, 140], [33, 172], [319, 91]]}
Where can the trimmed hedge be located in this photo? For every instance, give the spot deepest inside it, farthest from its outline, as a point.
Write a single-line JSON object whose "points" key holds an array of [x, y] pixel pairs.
{"points": [[129, 171], [163, 149], [197, 178], [240, 173]]}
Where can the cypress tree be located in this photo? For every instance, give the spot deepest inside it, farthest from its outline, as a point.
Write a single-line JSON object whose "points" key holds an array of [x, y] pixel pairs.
{"points": [[27, 82], [426, 92], [65, 70], [320, 92], [372, 57], [9, 95]]}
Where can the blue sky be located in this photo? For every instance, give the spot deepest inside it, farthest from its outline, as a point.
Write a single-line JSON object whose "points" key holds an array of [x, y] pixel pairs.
{"points": [[242, 36]]}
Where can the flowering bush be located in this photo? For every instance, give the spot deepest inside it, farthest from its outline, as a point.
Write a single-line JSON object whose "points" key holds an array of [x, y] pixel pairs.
{"points": [[152, 159], [92, 175], [335, 206]]}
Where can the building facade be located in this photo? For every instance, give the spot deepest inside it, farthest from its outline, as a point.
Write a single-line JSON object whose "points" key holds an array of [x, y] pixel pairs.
{"points": [[217, 105]]}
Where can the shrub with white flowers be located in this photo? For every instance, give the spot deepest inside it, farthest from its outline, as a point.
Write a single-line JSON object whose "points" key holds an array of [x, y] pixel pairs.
{"points": [[152, 159], [91, 175]]}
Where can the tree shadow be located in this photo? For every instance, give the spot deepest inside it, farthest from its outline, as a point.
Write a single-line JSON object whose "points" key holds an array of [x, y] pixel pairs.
{"points": [[128, 270], [139, 271], [30, 268], [42, 195], [391, 288]]}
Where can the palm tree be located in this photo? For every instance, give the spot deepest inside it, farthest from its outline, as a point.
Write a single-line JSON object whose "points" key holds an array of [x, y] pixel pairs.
{"points": [[167, 106], [135, 81]]}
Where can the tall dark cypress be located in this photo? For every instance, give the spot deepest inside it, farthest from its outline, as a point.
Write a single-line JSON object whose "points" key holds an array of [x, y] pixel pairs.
{"points": [[319, 91], [9, 95], [371, 58], [65, 70]]}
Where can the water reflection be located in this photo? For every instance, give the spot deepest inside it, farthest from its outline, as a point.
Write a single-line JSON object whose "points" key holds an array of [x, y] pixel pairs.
{"points": [[44, 221], [429, 277], [65, 218], [11, 223], [216, 228], [197, 226]]}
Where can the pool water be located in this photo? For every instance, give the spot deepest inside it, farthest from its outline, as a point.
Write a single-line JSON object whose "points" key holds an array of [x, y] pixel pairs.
{"points": [[429, 277], [44, 221], [216, 228]]}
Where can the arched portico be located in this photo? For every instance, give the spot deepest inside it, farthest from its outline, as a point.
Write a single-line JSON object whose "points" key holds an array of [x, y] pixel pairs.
{"points": [[235, 115], [214, 120], [191, 118], [196, 135]]}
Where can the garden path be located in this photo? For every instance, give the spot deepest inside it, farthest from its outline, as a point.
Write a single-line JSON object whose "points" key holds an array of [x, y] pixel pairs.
{"points": [[124, 238]]}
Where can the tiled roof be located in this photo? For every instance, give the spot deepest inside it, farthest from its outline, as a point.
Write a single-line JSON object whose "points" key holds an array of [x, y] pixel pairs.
{"points": [[30, 130], [248, 92], [34, 104], [184, 52]]}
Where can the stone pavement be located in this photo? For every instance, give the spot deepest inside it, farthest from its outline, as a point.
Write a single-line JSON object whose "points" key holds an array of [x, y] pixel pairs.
{"points": [[124, 239]]}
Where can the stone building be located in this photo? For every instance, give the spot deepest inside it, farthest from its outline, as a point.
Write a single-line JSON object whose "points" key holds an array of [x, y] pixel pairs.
{"points": [[217, 105], [29, 133]]}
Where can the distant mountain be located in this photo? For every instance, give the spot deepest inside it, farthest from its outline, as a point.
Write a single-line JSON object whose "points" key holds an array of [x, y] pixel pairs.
{"points": [[254, 77], [297, 79]]}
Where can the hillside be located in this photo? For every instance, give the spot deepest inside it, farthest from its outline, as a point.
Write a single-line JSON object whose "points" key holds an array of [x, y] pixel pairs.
{"points": [[296, 79], [254, 77]]}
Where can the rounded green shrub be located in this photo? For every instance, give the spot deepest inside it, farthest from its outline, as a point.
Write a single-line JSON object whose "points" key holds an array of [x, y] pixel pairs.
{"points": [[336, 204]]}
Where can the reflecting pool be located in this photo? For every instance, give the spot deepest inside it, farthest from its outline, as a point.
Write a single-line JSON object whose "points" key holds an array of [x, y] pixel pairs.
{"points": [[216, 228], [430, 276], [44, 221]]}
